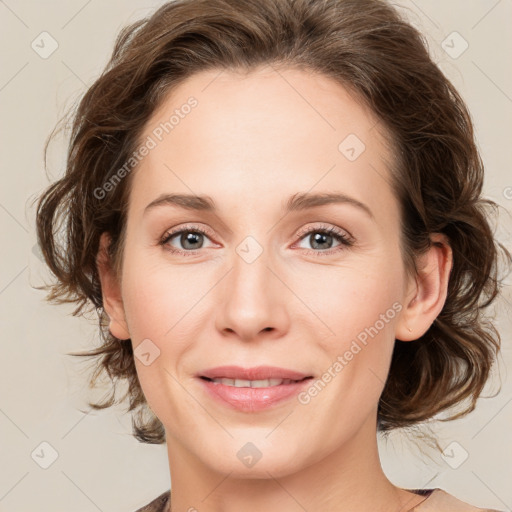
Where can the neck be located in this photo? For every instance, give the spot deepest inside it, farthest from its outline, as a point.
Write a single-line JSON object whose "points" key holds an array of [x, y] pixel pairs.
{"points": [[346, 479]]}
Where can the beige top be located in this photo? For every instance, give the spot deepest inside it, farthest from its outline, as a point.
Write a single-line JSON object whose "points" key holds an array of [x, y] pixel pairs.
{"points": [[437, 500]]}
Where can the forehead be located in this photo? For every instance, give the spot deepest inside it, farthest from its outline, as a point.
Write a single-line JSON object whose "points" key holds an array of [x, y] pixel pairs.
{"points": [[270, 131]]}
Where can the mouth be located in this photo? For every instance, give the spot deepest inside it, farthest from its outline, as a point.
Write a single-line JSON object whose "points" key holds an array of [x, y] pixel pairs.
{"points": [[260, 383], [254, 374], [254, 389]]}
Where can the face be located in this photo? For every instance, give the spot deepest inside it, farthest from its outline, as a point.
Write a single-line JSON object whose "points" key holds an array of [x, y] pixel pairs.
{"points": [[264, 276]]}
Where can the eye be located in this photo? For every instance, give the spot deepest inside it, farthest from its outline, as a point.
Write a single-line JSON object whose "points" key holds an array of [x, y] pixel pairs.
{"points": [[321, 239], [191, 239]]}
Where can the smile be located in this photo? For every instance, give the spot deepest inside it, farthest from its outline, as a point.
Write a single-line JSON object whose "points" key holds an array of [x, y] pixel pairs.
{"points": [[242, 383]]}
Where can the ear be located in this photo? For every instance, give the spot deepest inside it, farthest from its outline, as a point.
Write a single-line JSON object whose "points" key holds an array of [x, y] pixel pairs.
{"points": [[426, 292], [111, 291]]}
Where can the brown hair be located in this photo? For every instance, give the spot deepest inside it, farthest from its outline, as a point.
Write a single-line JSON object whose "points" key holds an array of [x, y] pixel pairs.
{"points": [[437, 175]]}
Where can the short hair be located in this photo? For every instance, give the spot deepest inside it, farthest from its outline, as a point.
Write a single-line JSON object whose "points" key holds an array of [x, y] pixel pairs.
{"points": [[437, 175]]}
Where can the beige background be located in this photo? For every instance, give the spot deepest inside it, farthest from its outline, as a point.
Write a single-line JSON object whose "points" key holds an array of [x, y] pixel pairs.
{"points": [[99, 466]]}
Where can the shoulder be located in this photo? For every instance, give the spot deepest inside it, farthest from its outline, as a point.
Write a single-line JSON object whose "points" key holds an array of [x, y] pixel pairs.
{"points": [[158, 504], [441, 501]]}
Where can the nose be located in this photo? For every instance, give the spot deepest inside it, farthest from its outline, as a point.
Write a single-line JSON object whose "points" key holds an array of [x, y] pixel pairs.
{"points": [[252, 300]]}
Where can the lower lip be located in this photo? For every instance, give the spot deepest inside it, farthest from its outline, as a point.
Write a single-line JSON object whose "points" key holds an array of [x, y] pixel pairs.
{"points": [[253, 399]]}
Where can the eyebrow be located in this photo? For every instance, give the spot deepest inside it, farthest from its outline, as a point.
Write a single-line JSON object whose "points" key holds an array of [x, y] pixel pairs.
{"points": [[297, 202]]}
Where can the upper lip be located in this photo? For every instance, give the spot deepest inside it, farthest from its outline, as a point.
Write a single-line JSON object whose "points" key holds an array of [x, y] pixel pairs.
{"points": [[255, 373]]}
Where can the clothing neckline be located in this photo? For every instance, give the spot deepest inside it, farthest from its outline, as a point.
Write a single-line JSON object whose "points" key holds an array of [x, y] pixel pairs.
{"points": [[165, 501], [421, 492]]}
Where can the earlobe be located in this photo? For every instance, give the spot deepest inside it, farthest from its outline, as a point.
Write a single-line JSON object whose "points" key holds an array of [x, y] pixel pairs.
{"points": [[426, 296], [111, 291]]}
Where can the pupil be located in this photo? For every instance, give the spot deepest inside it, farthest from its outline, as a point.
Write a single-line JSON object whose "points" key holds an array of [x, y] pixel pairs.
{"points": [[190, 238], [319, 238]]}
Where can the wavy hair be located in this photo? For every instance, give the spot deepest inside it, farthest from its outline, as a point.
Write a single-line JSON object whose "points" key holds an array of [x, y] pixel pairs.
{"points": [[368, 48]]}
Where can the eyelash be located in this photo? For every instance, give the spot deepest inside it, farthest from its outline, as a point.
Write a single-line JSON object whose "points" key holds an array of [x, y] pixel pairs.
{"points": [[345, 240]]}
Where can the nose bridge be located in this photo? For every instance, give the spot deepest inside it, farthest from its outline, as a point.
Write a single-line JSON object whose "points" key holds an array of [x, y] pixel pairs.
{"points": [[250, 266], [251, 301]]}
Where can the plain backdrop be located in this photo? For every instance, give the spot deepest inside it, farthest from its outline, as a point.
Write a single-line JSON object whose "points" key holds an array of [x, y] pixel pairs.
{"points": [[92, 461]]}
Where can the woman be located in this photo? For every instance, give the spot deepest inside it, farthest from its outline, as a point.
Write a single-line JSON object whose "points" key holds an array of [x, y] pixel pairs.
{"points": [[275, 208]]}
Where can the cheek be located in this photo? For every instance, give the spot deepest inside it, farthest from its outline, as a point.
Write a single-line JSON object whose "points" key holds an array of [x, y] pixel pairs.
{"points": [[348, 299], [358, 309], [162, 307], [160, 299]]}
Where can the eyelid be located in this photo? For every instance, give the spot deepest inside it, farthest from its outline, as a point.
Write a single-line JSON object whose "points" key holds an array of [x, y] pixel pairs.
{"points": [[188, 227], [325, 227]]}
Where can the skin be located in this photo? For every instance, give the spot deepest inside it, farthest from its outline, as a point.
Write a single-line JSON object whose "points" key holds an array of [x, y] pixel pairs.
{"points": [[253, 141]]}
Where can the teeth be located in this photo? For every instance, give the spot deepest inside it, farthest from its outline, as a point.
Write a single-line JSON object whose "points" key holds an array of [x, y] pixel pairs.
{"points": [[241, 383]]}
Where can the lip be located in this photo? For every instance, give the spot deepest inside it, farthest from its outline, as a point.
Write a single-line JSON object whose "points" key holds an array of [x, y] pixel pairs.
{"points": [[252, 399], [255, 373]]}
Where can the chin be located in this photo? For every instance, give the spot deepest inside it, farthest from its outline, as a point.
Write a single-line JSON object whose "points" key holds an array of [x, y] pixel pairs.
{"points": [[255, 459]]}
